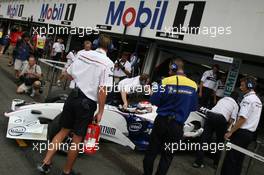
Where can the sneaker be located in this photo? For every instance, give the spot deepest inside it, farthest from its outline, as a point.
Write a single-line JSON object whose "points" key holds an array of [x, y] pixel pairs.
{"points": [[32, 93], [10, 64], [43, 168], [41, 90], [198, 165], [71, 173], [215, 166], [59, 83]]}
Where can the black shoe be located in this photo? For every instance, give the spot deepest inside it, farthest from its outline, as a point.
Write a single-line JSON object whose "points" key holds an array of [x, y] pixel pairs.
{"points": [[43, 168], [71, 173], [215, 166], [41, 90], [198, 165]]}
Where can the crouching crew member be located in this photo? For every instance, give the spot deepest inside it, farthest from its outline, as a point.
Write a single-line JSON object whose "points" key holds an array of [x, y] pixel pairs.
{"points": [[218, 120], [242, 133], [91, 71], [175, 99], [130, 85], [30, 77]]}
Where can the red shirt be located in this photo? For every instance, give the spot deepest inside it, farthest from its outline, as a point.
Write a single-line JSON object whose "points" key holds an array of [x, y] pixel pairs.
{"points": [[14, 36]]}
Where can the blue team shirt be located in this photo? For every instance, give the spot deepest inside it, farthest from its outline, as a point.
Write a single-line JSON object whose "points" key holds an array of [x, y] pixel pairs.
{"points": [[173, 100], [23, 50]]}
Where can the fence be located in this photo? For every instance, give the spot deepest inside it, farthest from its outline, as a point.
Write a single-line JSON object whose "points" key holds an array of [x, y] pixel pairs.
{"points": [[254, 162]]}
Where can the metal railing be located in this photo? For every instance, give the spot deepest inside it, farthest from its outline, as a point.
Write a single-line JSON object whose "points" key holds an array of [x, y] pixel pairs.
{"points": [[253, 156], [53, 66]]}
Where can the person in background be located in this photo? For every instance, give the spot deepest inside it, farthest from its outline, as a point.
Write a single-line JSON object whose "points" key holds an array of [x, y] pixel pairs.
{"points": [[58, 49], [30, 76], [1, 40], [218, 120], [122, 68], [243, 131], [39, 45], [219, 88], [135, 61], [22, 50], [207, 86], [129, 85], [87, 45], [175, 98], [14, 37]]}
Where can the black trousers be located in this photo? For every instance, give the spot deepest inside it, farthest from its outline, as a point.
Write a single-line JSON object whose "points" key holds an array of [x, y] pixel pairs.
{"points": [[78, 112], [165, 131], [234, 160], [207, 99], [215, 123]]}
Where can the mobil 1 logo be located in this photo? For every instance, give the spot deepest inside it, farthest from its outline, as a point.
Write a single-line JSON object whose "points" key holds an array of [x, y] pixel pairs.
{"points": [[69, 15], [58, 12], [187, 20]]}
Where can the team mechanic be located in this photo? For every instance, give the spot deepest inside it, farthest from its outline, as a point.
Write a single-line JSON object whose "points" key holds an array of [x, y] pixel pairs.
{"points": [[219, 119], [243, 132], [92, 72], [207, 87], [175, 99]]}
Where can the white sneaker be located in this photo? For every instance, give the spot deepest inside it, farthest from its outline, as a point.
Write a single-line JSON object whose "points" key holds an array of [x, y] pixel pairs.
{"points": [[33, 93], [59, 83]]}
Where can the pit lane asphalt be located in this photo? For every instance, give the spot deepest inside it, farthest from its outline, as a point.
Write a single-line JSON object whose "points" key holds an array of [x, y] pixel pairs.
{"points": [[112, 159]]}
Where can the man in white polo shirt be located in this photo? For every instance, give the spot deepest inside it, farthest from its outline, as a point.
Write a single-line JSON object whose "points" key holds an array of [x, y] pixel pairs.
{"points": [[219, 119], [92, 73], [207, 86], [219, 89], [130, 85], [122, 68], [243, 132], [58, 49]]}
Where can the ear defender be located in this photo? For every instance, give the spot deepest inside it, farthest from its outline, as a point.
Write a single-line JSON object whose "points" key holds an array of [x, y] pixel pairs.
{"points": [[174, 67], [96, 44], [250, 83]]}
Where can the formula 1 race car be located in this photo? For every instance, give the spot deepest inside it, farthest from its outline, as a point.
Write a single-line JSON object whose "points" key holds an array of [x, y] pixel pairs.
{"points": [[130, 127]]}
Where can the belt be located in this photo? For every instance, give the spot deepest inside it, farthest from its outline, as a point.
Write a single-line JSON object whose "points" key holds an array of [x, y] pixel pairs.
{"points": [[77, 92]]}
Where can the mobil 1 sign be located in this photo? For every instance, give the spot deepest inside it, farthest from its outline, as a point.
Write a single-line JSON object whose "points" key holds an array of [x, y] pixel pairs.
{"points": [[187, 20], [135, 15], [58, 12]]}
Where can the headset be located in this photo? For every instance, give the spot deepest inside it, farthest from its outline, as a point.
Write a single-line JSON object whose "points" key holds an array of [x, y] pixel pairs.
{"points": [[250, 82], [174, 68], [96, 44]]}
